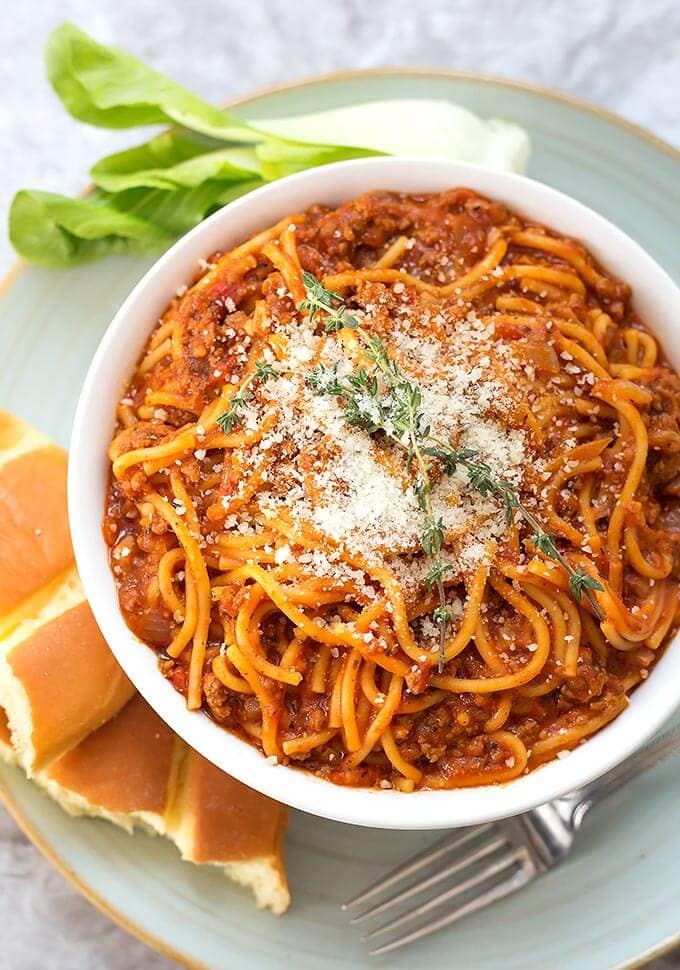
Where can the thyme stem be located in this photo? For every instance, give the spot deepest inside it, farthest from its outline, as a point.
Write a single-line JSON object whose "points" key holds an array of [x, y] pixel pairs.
{"points": [[229, 418], [399, 417], [579, 581]]}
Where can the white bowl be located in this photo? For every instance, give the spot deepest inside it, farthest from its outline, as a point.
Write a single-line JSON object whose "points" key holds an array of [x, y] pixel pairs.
{"points": [[657, 300]]}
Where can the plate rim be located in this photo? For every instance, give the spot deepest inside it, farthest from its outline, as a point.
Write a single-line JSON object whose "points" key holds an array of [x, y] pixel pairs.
{"points": [[664, 946], [51, 854]]}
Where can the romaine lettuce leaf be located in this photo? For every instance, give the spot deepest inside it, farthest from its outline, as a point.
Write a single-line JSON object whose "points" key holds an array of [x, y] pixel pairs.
{"points": [[409, 127], [148, 195], [171, 161], [107, 87], [56, 231], [279, 158]]}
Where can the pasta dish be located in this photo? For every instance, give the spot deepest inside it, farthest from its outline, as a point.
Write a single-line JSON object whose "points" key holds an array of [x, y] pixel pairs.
{"points": [[394, 492]]}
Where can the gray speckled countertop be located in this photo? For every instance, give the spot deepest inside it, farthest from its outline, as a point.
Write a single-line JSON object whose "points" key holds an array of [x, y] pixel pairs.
{"points": [[622, 54]]}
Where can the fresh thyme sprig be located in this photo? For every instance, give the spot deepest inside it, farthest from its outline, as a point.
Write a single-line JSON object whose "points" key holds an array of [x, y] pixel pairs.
{"points": [[319, 299], [262, 373], [481, 478], [397, 414]]}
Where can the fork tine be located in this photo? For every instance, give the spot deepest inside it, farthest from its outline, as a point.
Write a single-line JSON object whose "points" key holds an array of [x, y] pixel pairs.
{"points": [[488, 872], [510, 885], [487, 848], [420, 861]]}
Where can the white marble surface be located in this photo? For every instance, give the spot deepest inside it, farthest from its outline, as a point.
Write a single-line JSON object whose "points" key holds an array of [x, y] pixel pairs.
{"points": [[622, 54]]}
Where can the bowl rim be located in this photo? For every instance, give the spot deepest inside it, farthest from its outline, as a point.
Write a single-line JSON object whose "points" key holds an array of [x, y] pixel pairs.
{"points": [[653, 702]]}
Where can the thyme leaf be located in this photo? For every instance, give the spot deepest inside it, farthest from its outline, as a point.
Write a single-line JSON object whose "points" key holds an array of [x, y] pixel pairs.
{"points": [[579, 582], [231, 417], [319, 299]]}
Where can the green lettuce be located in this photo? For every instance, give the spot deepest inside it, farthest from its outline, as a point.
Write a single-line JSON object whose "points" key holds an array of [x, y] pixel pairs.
{"points": [[53, 230], [57, 231], [109, 88], [279, 158], [146, 196], [407, 126], [172, 161]]}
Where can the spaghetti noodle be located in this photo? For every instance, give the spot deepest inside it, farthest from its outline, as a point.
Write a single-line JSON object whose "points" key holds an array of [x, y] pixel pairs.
{"points": [[266, 537]]}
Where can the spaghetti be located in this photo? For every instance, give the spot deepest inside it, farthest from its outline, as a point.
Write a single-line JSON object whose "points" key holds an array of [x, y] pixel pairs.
{"points": [[265, 517]]}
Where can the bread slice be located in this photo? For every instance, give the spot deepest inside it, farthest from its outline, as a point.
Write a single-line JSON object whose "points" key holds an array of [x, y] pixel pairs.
{"points": [[218, 821], [71, 718], [125, 771], [59, 680], [133, 771], [36, 546]]}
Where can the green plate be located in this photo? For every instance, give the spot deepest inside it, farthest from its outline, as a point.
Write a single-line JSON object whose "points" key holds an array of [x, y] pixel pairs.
{"points": [[616, 901]]}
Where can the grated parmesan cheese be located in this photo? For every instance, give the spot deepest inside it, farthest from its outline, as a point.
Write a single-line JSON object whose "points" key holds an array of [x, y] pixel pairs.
{"points": [[356, 490]]}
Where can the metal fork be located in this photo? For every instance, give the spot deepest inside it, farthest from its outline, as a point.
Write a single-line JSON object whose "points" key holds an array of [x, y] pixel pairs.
{"points": [[485, 863]]}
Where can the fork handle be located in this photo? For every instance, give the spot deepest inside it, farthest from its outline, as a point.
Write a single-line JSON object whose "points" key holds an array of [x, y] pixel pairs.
{"points": [[580, 801]]}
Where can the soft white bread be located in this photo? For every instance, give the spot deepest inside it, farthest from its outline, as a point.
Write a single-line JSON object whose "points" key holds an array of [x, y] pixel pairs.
{"points": [[218, 821], [6, 749], [66, 712], [134, 772], [58, 679], [36, 546], [125, 771]]}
